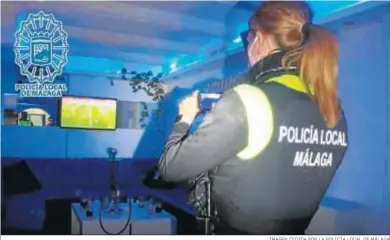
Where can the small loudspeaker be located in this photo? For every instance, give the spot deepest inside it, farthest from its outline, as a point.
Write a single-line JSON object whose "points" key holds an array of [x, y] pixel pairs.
{"points": [[19, 179]]}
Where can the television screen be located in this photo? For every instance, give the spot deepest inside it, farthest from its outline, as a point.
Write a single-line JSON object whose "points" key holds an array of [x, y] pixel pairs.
{"points": [[88, 113]]}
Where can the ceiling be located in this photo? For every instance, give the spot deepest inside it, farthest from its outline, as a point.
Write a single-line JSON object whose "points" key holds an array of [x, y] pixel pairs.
{"points": [[142, 33], [146, 35]]}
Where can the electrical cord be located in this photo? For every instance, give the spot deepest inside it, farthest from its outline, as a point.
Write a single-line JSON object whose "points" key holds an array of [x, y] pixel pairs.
{"points": [[102, 225]]}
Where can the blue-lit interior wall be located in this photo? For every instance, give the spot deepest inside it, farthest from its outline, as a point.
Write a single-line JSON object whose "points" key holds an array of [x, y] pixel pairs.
{"points": [[364, 82], [67, 143], [386, 28], [9, 71], [364, 176]]}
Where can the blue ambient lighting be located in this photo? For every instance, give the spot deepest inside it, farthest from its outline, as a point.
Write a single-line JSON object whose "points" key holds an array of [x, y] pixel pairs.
{"points": [[237, 40], [321, 9]]}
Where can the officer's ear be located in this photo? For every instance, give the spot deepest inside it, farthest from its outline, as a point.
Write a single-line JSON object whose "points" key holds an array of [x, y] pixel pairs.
{"points": [[265, 40], [259, 36], [255, 45], [266, 44]]}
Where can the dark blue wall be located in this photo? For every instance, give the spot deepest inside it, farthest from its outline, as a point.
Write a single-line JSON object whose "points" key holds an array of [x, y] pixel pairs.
{"points": [[363, 177]]}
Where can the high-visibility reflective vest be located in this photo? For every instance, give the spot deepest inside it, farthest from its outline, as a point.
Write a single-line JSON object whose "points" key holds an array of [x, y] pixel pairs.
{"points": [[25, 123], [299, 133], [288, 162]]}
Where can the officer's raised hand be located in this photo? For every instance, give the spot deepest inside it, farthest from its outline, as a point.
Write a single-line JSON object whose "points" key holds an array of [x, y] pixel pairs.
{"points": [[189, 108]]}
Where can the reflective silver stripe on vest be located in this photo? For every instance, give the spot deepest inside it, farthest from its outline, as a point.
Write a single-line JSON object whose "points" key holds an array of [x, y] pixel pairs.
{"points": [[259, 118]]}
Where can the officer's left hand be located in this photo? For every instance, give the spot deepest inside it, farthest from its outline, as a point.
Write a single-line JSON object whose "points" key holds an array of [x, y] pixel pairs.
{"points": [[189, 108]]}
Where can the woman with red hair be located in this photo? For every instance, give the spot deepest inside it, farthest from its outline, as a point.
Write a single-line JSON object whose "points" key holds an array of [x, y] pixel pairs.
{"points": [[271, 146]]}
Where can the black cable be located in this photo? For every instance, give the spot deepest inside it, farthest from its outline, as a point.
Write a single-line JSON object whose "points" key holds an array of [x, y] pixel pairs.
{"points": [[122, 230]]}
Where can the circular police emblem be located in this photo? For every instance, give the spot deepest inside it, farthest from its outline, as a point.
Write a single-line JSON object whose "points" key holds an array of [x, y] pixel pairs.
{"points": [[41, 48]]}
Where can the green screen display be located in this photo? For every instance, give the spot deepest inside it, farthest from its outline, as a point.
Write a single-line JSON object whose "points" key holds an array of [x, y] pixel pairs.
{"points": [[88, 113]]}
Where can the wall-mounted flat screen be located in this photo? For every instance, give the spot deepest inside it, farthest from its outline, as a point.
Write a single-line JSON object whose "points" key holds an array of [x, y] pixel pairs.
{"points": [[88, 113]]}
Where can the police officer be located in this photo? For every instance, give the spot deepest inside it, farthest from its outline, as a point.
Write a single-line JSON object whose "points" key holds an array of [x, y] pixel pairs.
{"points": [[273, 145], [24, 121]]}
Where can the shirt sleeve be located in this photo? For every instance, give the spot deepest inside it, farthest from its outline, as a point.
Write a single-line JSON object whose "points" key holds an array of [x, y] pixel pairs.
{"points": [[219, 138]]}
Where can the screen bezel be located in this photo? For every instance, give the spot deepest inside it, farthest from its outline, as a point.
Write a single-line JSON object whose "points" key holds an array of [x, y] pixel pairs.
{"points": [[84, 128]]}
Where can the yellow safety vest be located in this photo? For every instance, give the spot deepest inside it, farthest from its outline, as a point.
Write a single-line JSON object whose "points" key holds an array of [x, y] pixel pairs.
{"points": [[24, 123], [259, 113]]}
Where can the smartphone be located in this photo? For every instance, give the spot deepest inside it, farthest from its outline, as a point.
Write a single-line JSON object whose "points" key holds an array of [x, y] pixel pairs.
{"points": [[207, 101]]}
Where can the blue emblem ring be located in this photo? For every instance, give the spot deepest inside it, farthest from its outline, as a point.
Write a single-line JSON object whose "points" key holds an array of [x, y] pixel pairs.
{"points": [[41, 48]]}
